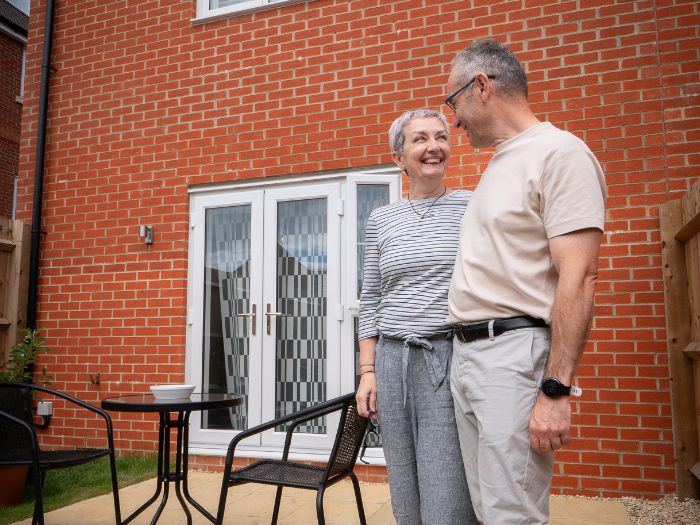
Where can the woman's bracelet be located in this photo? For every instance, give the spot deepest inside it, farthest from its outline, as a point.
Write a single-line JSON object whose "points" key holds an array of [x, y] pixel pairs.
{"points": [[367, 372], [366, 364]]}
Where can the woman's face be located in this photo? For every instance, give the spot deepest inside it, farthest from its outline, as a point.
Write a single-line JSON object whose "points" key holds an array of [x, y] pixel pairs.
{"points": [[426, 149]]}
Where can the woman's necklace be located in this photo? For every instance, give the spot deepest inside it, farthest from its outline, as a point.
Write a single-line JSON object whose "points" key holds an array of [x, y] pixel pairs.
{"points": [[429, 207]]}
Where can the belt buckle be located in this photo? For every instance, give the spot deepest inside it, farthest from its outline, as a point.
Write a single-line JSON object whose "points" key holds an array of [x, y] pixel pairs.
{"points": [[465, 335]]}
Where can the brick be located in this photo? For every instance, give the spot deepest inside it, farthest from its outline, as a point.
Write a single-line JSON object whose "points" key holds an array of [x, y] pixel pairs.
{"points": [[299, 89]]}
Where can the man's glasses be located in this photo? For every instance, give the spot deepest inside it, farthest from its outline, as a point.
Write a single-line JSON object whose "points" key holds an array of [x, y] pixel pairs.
{"points": [[450, 101]]}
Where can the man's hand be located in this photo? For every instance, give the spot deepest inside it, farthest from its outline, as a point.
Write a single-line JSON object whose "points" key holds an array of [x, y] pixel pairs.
{"points": [[366, 395], [550, 423]]}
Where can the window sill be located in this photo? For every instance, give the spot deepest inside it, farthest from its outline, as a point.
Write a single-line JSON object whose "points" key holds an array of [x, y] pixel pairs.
{"points": [[232, 14]]}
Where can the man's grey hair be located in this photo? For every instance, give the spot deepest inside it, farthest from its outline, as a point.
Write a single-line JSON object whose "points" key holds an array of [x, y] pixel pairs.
{"points": [[396, 137], [492, 58]]}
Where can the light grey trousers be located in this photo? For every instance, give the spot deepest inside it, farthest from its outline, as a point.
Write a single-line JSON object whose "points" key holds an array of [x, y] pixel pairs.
{"points": [[421, 446], [495, 384]]}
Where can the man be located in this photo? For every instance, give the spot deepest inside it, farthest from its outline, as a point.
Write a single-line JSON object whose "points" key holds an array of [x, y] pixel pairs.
{"points": [[522, 291]]}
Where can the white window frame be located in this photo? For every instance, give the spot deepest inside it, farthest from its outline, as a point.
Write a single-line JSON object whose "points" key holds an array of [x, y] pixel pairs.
{"points": [[373, 456], [214, 442], [205, 13], [352, 303]]}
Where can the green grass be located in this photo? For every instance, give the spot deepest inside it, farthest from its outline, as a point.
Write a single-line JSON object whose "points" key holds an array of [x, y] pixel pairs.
{"points": [[65, 486]]}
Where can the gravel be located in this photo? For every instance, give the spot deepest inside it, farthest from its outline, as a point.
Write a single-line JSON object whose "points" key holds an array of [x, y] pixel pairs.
{"points": [[666, 511]]}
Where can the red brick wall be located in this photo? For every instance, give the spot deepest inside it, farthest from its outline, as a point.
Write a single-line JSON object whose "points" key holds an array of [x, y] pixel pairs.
{"points": [[144, 104], [11, 52]]}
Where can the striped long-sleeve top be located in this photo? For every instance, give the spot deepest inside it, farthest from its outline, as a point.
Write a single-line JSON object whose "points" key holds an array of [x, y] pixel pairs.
{"points": [[408, 266]]}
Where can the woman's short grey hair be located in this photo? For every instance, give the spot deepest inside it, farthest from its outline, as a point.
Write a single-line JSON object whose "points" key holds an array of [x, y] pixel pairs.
{"points": [[493, 58], [396, 137]]}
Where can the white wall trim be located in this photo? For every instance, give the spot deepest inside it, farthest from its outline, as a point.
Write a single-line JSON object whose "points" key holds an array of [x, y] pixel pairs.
{"points": [[13, 34], [388, 169]]}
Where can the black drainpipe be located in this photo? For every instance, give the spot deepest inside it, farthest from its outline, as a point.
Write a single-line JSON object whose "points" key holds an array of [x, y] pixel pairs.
{"points": [[39, 167]]}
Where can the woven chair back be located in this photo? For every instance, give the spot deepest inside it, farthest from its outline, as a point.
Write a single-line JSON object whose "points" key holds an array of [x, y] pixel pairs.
{"points": [[351, 432], [15, 441]]}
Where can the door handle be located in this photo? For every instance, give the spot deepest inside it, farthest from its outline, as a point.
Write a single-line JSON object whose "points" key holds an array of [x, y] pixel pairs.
{"points": [[270, 314], [253, 317]]}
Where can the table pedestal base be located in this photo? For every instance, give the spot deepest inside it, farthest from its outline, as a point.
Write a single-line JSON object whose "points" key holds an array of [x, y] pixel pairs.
{"points": [[178, 476]]}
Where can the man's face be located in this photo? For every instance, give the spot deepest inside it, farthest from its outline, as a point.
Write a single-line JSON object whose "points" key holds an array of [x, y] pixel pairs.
{"points": [[467, 108]]}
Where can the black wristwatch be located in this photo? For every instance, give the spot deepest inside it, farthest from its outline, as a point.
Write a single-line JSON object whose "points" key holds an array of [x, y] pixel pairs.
{"points": [[552, 387]]}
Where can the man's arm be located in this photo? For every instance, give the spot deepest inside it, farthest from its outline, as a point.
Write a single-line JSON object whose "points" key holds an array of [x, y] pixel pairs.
{"points": [[575, 257]]}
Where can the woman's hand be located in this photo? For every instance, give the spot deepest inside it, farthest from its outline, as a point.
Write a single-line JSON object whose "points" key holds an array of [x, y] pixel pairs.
{"points": [[366, 395]]}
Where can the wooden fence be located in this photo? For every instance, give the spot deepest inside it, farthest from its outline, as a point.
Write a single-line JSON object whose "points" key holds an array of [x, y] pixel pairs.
{"points": [[14, 279], [680, 227]]}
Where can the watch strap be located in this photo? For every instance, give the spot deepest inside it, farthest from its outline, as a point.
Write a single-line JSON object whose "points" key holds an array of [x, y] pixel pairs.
{"points": [[560, 389], [575, 391]]}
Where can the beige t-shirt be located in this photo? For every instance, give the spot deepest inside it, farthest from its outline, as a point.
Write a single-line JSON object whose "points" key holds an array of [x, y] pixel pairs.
{"points": [[539, 184]]}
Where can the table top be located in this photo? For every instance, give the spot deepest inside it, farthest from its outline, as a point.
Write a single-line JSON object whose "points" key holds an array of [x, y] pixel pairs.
{"points": [[148, 403]]}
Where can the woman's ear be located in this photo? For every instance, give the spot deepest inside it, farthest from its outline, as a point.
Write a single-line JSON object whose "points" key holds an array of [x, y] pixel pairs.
{"points": [[398, 160]]}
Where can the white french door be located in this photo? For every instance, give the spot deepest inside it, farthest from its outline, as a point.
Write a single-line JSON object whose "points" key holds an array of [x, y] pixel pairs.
{"points": [[301, 291], [270, 277], [227, 248], [273, 288]]}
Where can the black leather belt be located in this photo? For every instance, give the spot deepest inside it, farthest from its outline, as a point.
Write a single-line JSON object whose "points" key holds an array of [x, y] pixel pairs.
{"points": [[467, 333]]}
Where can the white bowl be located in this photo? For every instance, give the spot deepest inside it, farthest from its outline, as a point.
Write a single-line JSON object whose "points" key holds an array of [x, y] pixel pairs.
{"points": [[172, 391]]}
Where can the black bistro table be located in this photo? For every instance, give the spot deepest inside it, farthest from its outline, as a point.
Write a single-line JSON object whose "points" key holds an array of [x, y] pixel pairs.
{"points": [[165, 409]]}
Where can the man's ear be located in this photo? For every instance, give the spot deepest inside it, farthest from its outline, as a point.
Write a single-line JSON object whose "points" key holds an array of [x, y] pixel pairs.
{"points": [[483, 85]]}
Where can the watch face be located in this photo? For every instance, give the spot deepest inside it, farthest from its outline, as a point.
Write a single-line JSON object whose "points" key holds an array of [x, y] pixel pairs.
{"points": [[551, 388]]}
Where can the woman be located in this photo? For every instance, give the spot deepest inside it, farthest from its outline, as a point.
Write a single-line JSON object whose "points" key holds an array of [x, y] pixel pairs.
{"points": [[405, 345]]}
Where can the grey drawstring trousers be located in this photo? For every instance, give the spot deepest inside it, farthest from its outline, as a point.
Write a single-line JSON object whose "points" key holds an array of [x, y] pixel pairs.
{"points": [[421, 446]]}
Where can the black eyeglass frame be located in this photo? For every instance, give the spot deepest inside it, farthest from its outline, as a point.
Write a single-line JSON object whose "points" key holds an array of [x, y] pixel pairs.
{"points": [[450, 101]]}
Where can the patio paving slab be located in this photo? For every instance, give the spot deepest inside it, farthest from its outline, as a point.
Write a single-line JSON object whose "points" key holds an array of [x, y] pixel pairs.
{"points": [[251, 504]]}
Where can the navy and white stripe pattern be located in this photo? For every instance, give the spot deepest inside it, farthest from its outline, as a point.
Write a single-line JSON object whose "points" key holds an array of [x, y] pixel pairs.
{"points": [[408, 267]]}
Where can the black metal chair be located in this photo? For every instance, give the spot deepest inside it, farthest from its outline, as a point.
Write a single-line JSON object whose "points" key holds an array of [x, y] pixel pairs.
{"points": [[286, 473], [19, 444]]}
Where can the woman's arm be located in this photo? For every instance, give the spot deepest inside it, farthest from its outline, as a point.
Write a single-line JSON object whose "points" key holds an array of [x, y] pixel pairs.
{"points": [[367, 390], [367, 332]]}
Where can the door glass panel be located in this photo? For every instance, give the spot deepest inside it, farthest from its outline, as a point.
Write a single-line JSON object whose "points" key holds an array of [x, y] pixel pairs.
{"points": [[369, 197], [226, 301], [301, 344]]}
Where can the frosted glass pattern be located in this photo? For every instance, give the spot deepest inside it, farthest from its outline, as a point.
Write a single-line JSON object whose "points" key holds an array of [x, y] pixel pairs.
{"points": [[301, 343], [226, 297]]}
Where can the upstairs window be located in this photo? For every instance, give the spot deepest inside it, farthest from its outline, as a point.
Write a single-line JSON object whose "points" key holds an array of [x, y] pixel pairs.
{"points": [[216, 8]]}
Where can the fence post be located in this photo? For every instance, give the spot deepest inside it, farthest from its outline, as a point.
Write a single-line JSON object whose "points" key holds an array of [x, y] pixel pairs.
{"points": [[14, 261], [680, 252]]}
